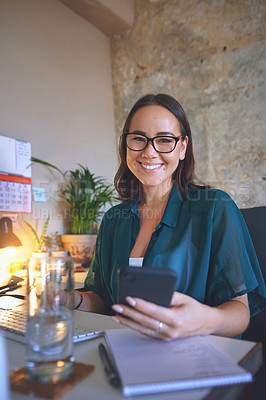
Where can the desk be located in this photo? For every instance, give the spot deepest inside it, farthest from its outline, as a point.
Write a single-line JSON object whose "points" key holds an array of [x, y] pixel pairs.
{"points": [[96, 386]]}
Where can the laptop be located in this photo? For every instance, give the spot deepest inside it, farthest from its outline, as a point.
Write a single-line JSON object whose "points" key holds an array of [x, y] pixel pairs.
{"points": [[13, 323]]}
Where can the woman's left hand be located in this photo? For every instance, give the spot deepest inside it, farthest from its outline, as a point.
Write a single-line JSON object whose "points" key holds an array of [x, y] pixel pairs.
{"points": [[185, 317]]}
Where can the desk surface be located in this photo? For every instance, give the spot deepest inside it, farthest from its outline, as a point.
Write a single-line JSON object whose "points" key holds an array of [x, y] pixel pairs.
{"points": [[96, 386]]}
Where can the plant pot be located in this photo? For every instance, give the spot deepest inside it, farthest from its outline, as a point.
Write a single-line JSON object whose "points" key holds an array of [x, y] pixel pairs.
{"points": [[40, 254], [81, 247]]}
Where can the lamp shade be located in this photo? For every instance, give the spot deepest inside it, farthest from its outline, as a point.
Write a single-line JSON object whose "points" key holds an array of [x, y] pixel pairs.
{"points": [[7, 237]]}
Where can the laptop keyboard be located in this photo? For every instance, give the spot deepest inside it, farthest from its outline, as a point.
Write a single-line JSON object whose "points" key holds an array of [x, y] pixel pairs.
{"points": [[14, 325]]}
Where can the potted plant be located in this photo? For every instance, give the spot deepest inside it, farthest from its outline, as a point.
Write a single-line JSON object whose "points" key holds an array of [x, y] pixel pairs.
{"points": [[86, 195], [39, 240], [54, 245], [40, 253]]}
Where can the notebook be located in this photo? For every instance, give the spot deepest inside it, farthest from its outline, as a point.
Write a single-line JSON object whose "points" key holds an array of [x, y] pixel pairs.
{"points": [[149, 366], [14, 325]]}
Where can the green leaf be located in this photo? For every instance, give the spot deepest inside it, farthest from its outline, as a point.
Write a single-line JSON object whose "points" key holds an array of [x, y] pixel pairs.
{"points": [[38, 161], [38, 241], [44, 231], [35, 236]]}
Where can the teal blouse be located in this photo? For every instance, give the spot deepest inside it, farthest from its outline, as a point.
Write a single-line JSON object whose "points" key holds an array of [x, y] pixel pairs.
{"points": [[204, 239]]}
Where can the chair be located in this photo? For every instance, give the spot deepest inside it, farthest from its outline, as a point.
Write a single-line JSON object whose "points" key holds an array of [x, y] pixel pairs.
{"points": [[256, 222]]}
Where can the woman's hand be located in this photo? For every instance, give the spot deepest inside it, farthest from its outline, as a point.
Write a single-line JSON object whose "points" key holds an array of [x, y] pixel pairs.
{"points": [[185, 317]]}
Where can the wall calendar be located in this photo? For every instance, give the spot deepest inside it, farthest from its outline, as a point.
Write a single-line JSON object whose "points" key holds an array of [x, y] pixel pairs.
{"points": [[15, 194], [15, 175]]}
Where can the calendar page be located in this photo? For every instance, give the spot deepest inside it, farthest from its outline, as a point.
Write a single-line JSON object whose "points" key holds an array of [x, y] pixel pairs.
{"points": [[15, 194], [15, 157]]}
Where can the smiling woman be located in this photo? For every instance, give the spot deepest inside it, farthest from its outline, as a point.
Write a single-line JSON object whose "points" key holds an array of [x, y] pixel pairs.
{"points": [[167, 219], [154, 149], [166, 120]]}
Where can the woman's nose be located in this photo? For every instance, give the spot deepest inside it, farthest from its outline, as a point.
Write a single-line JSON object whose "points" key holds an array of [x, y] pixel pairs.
{"points": [[149, 151]]}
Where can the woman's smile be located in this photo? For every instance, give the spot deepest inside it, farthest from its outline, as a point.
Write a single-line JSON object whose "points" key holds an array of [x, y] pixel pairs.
{"points": [[151, 167]]}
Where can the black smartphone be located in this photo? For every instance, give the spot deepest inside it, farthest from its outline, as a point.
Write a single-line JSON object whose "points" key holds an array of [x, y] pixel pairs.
{"points": [[156, 285]]}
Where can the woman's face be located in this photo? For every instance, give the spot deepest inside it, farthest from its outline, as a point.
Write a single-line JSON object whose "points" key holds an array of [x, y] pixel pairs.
{"points": [[150, 167]]}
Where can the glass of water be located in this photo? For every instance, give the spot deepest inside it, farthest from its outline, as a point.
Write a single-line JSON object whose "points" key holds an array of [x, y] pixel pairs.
{"points": [[50, 293]]}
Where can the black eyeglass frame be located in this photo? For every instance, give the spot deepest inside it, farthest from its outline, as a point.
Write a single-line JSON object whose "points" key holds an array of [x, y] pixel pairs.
{"points": [[176, 138]]}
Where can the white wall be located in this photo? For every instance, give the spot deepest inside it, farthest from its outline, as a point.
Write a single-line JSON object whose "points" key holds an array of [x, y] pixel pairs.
{"points": [[56, 92]]}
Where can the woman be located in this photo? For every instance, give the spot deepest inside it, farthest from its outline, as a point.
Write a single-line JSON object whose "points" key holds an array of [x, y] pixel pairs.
{"points": [[167, 219]]}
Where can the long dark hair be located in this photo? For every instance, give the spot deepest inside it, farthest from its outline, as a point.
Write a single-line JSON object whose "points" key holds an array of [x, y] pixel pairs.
{"points": [[126, 184]]}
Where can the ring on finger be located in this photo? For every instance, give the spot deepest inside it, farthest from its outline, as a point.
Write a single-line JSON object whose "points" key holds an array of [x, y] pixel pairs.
{"points": [[160, 326], [152, 332]]}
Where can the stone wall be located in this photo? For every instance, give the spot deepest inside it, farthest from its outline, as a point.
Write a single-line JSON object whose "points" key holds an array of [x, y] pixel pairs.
{"points": [[210, 55]]}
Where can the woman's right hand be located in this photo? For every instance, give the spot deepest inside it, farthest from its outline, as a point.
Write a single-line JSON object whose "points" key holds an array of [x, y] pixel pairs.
{"points": [[185, 317]]}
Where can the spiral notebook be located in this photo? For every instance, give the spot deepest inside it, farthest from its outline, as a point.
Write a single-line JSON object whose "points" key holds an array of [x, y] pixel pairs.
{"points": [[148, 366]]}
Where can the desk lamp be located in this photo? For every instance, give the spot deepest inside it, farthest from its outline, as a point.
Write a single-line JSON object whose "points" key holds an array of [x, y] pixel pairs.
{"points": [[7, 237], [8, 240]]}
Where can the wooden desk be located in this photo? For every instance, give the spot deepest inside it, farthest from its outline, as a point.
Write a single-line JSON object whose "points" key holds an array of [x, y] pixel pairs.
{"points": [[96, 386]]}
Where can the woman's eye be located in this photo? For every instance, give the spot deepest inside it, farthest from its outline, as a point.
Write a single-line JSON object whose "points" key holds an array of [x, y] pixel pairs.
{"points": [[165, 140], [139, 139]]}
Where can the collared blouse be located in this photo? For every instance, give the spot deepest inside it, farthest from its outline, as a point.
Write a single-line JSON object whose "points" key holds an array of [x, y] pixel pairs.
{"points": [[203, 238]]}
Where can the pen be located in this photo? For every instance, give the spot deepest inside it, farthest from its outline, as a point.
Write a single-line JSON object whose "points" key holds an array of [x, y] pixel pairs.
{"points": [[8, 286], [17, 296], [10, 289], [110, 370]]}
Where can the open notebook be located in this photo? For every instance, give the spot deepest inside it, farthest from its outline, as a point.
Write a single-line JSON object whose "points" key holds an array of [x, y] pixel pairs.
{"points": [[149, 366], [14, 325]]}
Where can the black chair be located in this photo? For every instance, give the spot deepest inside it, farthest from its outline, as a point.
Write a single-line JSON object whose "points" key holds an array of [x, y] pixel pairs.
{"points": [[256, 222]]}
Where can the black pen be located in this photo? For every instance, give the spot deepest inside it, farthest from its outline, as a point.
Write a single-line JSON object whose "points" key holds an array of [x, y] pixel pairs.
{"points": [[110, 370], [10, 285], [17, 296], [10, 289]]}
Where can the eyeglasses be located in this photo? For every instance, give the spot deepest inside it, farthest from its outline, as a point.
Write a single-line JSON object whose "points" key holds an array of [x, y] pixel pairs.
{"points": [[162, 143]]}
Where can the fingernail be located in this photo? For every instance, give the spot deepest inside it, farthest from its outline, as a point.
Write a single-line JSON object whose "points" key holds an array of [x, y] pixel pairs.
{"points": [[118, 308], [115, 320], [131, 301]]}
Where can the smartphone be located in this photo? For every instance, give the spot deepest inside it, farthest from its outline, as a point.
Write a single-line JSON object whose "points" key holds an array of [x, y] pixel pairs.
{"points": [[156, 285]]}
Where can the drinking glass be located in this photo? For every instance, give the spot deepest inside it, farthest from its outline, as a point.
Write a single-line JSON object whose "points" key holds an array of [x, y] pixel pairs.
{"points": [[49, 331], [4, 378]]}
